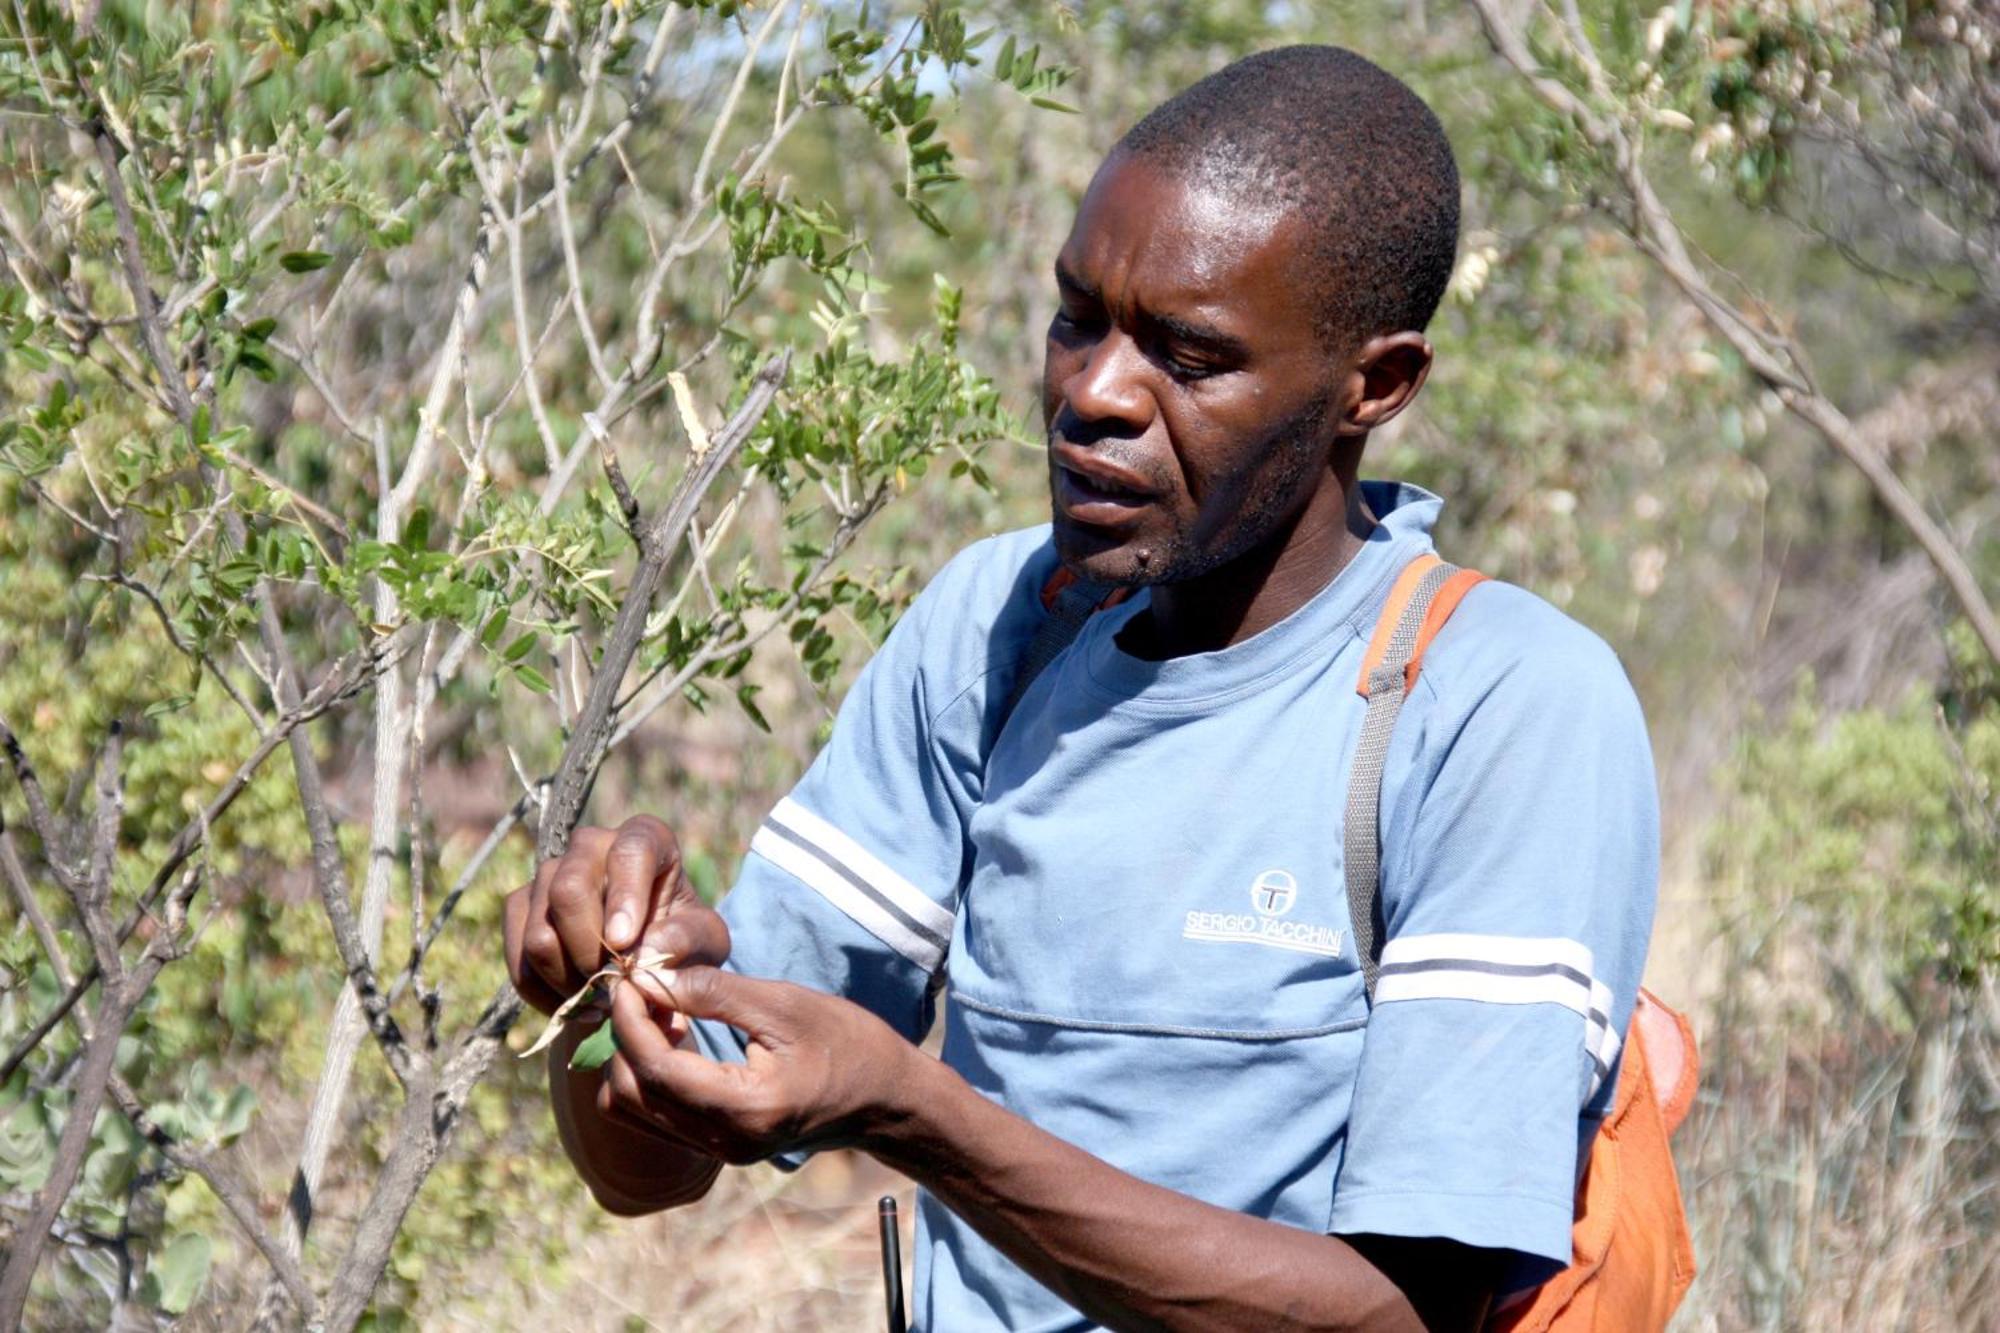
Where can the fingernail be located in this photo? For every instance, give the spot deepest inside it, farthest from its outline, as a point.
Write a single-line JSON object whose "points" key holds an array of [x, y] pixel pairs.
{"points": [[619, 927]]}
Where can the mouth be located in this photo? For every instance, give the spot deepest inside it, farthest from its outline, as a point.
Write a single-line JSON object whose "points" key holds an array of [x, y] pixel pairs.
{"points": [[1090, 490]]}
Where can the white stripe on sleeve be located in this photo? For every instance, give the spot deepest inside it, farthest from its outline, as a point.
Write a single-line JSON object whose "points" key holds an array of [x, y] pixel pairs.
{"points": [[856, 881], [1487, 988], [1505, 969], [1511, 950]]}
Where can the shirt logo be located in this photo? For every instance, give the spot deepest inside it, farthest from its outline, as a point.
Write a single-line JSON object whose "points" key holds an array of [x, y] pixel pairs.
{"points": [[1273, 894]]}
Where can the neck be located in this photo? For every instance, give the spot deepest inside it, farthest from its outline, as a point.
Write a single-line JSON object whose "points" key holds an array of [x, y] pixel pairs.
{"points": [[1265, 584]]}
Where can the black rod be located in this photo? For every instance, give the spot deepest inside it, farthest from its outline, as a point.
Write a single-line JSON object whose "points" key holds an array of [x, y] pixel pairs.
{"points": [[892, 1262]]}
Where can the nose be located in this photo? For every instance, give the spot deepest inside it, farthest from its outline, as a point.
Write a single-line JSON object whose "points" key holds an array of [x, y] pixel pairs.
{"points": [[1107, 393]]}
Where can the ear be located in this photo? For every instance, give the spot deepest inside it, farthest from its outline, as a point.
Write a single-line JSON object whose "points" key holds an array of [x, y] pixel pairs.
{"points": [[1383, 377]]}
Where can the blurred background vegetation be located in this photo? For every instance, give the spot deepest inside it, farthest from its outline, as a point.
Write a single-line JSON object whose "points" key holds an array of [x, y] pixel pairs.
{"points": [[250, 479]]}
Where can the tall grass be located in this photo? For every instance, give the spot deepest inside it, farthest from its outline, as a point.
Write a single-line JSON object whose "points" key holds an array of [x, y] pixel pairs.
{"points": [[1844, 1172], [1842, 1165]]}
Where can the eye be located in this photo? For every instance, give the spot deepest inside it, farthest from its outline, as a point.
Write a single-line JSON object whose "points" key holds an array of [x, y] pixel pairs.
{"points": [[1184, 370], [1077, 321]]}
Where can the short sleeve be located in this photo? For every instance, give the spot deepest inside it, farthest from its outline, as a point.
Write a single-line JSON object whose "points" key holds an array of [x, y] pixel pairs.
{"points": [[1520, 870], [852, 882]]}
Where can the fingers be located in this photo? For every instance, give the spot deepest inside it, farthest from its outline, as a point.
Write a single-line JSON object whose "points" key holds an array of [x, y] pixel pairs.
{"points": [[642, 856], [533, 990], [600, 894], [682, 1091], [541, 946], [576, 900]]}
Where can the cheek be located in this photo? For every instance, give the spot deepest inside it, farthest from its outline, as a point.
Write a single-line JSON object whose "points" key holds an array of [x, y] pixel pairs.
{"points": [[1056, 367], [1208, 446]]}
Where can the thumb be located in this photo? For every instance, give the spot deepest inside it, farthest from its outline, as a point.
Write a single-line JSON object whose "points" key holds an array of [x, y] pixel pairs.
{"points": [[745, 1003]]}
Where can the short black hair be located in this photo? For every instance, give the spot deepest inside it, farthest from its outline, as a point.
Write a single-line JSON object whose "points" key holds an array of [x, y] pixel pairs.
{"points": [[1353, 150]]}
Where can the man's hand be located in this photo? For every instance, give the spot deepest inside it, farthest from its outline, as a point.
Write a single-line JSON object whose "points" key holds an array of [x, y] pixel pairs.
{"points": [[819, 1072], [611, 890]]}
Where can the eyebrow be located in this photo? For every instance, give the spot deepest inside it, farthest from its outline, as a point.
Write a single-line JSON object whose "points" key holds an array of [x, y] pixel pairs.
{"points": [[1204, 336], [1068, 281]]}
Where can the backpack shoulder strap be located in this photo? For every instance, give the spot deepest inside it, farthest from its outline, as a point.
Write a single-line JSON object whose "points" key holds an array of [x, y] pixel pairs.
{"points": [[1421, 600], [1067, 602]]}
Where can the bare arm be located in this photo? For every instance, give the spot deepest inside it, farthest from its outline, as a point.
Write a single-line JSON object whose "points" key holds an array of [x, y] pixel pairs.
{"points": [[1132, 1255], [1137, 1256]]}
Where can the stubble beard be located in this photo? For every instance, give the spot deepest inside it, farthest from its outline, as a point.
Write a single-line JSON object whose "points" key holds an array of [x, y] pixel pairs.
{"points": [[1271, 499]]}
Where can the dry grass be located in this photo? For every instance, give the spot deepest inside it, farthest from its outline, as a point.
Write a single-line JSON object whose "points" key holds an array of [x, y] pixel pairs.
{"points": [[764, 1253], [1843, 1172]]}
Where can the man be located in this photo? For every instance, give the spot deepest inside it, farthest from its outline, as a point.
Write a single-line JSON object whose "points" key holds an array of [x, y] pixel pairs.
{"points": [[1151, 1111]]}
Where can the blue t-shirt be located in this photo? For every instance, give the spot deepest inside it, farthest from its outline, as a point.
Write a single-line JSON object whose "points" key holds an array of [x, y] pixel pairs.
{"points": [[1136, 878]]}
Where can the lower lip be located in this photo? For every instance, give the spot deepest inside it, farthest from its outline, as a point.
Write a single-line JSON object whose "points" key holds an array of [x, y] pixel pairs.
{"points": [[1082, 505]]}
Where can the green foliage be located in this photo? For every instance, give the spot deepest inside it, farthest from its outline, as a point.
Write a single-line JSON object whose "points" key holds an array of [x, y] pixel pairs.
{"points": [[356, 373], [1877, 833]]}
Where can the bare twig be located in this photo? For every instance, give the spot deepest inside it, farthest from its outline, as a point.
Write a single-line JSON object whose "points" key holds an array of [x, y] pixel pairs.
{"points": [[567, 232], [40, 818], [135, 278], [430, 1115], [495, 836], [662, 541], [236, 1195], [608, 455], [24, 895], [347, 677], [187, 650]]}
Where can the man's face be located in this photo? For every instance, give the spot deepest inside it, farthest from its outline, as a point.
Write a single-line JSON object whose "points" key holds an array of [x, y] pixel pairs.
{"points": [[1188, 401]]}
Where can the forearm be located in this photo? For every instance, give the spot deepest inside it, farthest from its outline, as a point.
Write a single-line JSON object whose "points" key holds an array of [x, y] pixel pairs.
{"points": [[630, 1171], [1129, 1254]]}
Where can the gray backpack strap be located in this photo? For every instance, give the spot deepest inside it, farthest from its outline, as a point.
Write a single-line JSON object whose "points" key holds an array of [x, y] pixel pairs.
{"points": [[1062, 621], [1363, 850]]}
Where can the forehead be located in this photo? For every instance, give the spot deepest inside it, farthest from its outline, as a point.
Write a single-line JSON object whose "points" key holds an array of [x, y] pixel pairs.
{"points": [[1172, 242]]}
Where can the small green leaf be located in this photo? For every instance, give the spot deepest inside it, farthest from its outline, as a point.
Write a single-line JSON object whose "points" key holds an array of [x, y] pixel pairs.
{"points": [[746, 697], [596, 1050], [304, 261], [177, 1272], [1050, 104], [533, 679], [519, 649]]}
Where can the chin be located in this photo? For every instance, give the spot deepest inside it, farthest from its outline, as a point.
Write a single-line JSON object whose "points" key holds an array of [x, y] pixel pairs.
{"points": [[1118, 559], [1098, 556]]}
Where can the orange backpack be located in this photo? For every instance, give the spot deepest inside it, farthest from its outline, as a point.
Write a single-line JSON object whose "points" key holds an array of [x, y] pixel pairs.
{"points": [[1631, 1258]]}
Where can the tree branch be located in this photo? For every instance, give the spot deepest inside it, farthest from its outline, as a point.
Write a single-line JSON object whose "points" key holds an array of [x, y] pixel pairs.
{"points": [[1776, 360], [135, 278], [347, 678], [430, 1115], [235, 1194]]}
